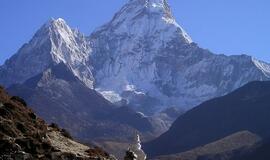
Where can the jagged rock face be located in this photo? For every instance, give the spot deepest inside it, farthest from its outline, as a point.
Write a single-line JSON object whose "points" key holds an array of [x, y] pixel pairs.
{"points": [[55, 42], [144, 52]]}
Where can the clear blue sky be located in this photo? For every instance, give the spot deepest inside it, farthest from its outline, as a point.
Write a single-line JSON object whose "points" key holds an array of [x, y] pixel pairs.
{"points": [[222, 26]]}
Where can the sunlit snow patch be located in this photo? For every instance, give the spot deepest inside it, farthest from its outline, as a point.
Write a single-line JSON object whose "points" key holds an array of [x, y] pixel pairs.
{"points": [[111, 96]]}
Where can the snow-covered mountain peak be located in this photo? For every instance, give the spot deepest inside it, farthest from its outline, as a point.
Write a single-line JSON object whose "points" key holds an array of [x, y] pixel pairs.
{"points": [[150, 3], [160, 6], [263, 66], [70, 47], [141, 57], [144, 57], [146, 18], [66, 45], [55, 42], [59, 22], [55, 30]]}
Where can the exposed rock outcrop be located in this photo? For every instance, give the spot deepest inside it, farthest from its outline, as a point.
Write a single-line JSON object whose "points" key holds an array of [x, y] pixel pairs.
{"points": [[25, 136]]}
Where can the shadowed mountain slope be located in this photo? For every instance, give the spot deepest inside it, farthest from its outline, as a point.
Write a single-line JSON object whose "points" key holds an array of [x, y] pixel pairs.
{"points": [[247, 108]]}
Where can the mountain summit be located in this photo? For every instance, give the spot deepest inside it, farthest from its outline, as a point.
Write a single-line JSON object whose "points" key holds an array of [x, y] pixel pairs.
{"points": [[142, 57], [145, 18], [55, 42], [151, 16]]}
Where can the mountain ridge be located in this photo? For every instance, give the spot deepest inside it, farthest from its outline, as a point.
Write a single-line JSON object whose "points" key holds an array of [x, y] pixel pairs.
{"points": [[55, 42], [141, 57], [59, 96]]}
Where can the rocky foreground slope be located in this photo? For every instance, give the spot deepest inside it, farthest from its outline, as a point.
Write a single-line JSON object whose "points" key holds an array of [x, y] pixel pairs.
{"points": [[23, 135]]}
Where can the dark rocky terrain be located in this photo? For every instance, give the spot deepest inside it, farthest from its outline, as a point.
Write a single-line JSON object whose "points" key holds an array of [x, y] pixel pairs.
{"points": [[246, 108], [223, 149], [25, 136], [260, 151]]}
